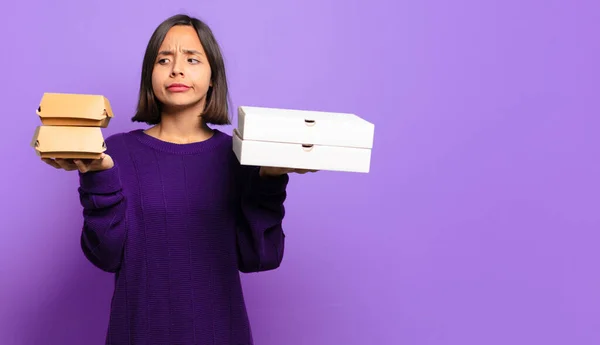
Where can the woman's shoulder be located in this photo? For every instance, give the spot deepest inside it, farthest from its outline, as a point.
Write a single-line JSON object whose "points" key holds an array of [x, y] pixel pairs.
{"points": [[121, 143], [121, 139]]}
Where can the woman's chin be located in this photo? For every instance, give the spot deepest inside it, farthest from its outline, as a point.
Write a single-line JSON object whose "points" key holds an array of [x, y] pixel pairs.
{"points": [[180, 105]]}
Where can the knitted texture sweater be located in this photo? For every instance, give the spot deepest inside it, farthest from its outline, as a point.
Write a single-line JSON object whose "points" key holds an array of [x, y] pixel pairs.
{"points": [[176, 223]]}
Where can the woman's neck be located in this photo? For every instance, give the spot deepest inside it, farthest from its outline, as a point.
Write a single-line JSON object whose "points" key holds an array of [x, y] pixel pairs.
{"points": [[181, 127]]}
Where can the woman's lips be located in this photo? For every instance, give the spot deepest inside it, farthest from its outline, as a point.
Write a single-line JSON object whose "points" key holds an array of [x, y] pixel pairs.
{"points": [[178, 87]]}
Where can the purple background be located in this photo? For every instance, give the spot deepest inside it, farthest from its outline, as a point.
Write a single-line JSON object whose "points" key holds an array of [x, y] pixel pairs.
{"points": [[479, 223]]}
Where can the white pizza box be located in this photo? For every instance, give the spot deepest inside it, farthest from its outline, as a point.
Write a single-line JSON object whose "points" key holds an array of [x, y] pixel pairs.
{"points": [[303, 139]]}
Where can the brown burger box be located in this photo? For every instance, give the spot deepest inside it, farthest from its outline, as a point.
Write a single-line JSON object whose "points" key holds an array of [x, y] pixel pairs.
{"points": [[68, 142], [80, 110]]}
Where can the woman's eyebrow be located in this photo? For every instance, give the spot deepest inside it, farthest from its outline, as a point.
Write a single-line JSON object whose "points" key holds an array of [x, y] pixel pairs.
{"points": [[185, 51]]}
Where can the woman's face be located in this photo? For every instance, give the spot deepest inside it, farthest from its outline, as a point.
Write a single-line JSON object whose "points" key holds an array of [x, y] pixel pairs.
{"points": [[181, 74]]}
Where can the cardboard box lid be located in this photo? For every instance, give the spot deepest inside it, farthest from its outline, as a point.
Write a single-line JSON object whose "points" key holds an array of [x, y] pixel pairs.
{"points": [[74, 106], [68, 139], [304, 127]]}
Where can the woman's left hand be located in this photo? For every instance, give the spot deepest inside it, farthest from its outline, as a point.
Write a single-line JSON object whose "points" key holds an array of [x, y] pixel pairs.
{"points": [[272, 171]]}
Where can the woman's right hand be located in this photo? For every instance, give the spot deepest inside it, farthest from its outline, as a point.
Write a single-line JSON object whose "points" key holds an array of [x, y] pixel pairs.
{"points": [[83, 165]]}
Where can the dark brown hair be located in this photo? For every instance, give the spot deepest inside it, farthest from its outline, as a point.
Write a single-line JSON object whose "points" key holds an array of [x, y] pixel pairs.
{"points": [[216, 110]]}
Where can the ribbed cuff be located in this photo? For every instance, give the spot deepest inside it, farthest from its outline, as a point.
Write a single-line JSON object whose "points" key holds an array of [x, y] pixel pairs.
{"points": [[101, 182]]}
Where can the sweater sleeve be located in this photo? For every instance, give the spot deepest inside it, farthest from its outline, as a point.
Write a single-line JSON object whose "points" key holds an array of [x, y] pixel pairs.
{"points": [[260, 236], [104, 220]]}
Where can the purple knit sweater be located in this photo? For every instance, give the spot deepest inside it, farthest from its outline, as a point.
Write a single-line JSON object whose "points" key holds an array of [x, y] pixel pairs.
{"points": [[176, 223]]}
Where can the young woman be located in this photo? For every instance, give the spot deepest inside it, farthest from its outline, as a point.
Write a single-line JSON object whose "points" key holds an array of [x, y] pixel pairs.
{"points": [[171, 211]]}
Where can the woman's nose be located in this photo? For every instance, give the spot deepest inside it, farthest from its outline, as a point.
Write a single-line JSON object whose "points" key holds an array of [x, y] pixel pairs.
{"points": [[177, 70]]}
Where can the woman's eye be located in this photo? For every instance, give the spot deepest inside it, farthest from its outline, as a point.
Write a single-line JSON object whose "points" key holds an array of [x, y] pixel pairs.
{"points": [[163, 61], [194, 61]]}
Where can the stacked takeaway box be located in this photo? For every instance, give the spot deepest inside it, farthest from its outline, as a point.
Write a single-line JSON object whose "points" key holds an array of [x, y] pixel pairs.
{"points": [[71, 126], [302, 139]]}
